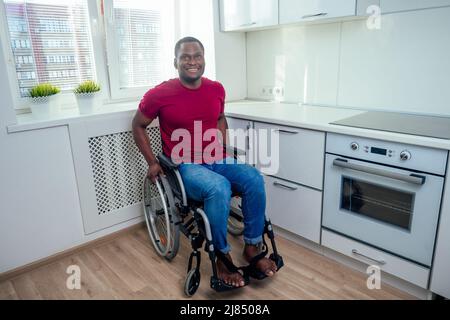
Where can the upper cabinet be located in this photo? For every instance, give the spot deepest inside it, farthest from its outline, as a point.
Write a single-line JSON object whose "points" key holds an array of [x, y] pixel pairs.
{"points": [[247, 15], [388, 6], [241, 15], [293, 11]]}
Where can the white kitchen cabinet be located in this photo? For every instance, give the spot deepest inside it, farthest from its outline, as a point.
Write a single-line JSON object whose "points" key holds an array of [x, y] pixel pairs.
{"points": [[293, 11], [239, 132], [387, 262], [440, 280], [294, 208], [388, 6], [299, 156], [241, 15]]}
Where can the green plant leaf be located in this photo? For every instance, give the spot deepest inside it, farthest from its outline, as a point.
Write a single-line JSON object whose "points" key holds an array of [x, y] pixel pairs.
{"points": [[43, 90], [88, 86]]}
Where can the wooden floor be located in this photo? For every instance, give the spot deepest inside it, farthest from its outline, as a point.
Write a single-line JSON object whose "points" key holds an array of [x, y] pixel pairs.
{"points": [[128, 268]]}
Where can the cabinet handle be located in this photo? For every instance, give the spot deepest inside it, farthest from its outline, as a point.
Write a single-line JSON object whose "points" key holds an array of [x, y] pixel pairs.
{"points": [[277, 184], [247, 24], [322, 14], [355, 252], [286, 131], [247, 137]]}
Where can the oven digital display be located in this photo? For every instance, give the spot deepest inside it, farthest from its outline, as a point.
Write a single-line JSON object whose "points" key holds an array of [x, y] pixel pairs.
{"points": [[380, 151]]}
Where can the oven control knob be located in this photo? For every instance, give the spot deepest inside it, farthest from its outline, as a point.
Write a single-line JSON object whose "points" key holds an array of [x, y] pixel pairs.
{"points": [[354, 146], [405, 155]]}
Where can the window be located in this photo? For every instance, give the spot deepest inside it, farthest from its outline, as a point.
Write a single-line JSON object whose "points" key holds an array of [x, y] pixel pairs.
{"points": [[140, 40], [49, 41]]}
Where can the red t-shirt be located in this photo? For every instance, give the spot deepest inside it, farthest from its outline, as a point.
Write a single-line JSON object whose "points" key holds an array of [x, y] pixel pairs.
{"points": [[193, 112]]}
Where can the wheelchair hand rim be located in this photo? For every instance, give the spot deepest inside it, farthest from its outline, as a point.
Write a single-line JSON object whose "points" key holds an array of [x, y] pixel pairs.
{"points": [[150, 219]]}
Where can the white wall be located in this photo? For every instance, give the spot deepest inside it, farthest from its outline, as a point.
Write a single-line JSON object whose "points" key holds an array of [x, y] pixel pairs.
{"points": [[230, 51], [302, 60], [404, 66], [196, 20]]}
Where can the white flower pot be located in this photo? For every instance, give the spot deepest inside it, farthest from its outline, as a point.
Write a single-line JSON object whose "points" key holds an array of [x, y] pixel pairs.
{"points": [[45, 107], [87, 102]]}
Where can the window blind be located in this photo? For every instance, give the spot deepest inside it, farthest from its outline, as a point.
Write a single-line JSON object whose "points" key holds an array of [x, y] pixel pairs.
{"points": [[51, 42], [143, 32]]}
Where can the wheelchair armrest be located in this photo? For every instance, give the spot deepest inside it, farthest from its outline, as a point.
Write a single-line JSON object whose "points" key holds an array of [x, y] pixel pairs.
{"points": [[234, 151], [166, 162]]}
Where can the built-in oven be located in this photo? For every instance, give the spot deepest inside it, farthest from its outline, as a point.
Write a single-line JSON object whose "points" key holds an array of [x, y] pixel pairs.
{"points": [[384, 194]]}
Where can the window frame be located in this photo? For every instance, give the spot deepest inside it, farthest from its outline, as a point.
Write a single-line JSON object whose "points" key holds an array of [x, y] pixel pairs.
{"points": [[22, 104], [113, 57]]}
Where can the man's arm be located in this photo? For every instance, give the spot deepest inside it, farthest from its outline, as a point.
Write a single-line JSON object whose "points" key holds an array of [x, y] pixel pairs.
{"points": [[139, 125], [222, 125]]}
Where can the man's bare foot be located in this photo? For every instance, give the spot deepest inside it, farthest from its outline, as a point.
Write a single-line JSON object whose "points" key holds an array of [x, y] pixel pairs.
{"points": [[235, 279], [265, 265]]}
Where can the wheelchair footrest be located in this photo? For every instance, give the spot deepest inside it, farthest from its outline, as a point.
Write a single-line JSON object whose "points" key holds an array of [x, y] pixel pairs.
{"points": [[220, 286], [278, 261], [253, 272]]}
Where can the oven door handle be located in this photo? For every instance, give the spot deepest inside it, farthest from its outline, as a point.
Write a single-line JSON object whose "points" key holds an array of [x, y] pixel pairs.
{"points": [[413, 178]]}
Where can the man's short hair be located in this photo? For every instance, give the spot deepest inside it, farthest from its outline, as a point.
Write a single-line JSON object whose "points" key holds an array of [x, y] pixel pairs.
{"points": [[185, 40]]}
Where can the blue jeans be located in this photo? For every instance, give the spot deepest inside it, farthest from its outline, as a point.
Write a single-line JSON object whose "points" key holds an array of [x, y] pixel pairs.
{"points": [[212, 184]]}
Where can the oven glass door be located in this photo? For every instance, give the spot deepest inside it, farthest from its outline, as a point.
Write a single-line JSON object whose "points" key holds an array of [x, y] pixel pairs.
{"points": [[379, 202], [392, 209]]}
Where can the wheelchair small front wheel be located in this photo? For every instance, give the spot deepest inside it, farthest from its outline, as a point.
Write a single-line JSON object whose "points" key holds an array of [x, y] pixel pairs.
{"points": [[161, 217], [192, 282]]}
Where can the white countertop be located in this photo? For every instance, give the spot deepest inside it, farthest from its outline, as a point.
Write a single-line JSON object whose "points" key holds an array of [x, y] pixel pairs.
{"points": [[294, 115], [318, 118], [27, 122]]}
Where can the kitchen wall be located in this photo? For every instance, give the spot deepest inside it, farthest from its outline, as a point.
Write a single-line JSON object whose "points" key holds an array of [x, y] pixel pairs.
{"points": [[230, 58], [403, 66]]}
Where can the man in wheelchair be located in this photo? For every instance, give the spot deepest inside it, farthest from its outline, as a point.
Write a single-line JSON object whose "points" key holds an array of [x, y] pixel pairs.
{"points": [[189, 106]]}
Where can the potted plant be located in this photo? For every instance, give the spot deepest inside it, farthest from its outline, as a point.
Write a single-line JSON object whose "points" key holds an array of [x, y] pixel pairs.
{"points": [[44, 100], [87, 95]]}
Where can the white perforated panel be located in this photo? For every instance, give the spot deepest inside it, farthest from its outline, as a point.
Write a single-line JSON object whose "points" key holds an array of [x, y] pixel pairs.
{"points": [[119, 169]]}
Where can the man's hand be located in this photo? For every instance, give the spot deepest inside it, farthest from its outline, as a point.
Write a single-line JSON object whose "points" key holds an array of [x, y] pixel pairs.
{"points": [[154, 170]]}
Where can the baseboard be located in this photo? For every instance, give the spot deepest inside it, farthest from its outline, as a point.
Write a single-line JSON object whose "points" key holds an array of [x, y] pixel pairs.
{"points": [[88, 245]]}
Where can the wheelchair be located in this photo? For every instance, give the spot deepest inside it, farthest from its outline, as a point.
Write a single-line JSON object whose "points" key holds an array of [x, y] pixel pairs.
{"points": [[168, 212]]}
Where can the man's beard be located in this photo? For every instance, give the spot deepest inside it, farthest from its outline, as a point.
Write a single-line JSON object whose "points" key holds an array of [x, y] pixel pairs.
{"points": [[190, 80]]}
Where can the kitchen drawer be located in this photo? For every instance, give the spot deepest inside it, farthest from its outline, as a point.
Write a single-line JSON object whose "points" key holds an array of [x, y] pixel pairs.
{"points": [[294, 208], [394, 265], [301, 154]]}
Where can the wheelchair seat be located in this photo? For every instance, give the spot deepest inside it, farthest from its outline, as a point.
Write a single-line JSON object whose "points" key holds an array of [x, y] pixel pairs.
{"points": [[168, 212]]}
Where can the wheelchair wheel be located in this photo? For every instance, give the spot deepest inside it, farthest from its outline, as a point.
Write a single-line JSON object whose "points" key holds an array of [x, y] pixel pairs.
{"points": [[192, 282], [161, 217], [235, 219]]}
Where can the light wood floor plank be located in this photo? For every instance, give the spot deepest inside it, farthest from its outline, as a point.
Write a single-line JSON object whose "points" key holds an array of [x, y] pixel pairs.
{"points": [[7, 291], [128, 267], [26, 288]]}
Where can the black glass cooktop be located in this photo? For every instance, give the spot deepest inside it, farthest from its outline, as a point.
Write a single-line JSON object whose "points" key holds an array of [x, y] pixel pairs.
{"points": [[419, 125]]}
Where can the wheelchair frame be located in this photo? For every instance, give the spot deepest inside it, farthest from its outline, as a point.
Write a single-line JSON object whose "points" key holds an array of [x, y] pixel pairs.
{"points": [[172, 210]]}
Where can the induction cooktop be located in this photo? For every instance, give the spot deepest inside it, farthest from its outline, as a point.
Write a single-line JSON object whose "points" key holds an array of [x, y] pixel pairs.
{"points": [[419, 125]]}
